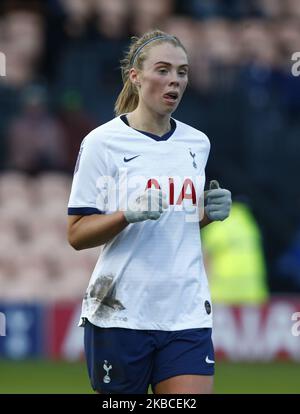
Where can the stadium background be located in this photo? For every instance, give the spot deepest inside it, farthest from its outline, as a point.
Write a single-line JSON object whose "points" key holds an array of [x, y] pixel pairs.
{"points": [[62, 78]]}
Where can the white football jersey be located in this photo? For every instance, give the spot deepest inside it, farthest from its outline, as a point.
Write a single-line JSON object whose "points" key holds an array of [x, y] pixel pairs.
{"points": [[151, 275]]}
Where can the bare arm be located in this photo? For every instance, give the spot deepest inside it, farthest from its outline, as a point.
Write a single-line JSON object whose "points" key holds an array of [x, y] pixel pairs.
{"points": [[205, 221], [85, 232]]}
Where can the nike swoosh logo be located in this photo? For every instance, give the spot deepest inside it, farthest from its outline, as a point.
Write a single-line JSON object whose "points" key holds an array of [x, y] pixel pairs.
{"points": [[209, 361], [129, 159]]}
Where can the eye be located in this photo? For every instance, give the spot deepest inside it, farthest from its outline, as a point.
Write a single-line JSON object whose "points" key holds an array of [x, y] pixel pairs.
{"points": [[162, 71], [182, 73]]}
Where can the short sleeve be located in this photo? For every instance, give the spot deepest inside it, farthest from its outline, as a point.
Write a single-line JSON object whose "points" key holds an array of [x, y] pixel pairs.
{"points": [[86, 197]]}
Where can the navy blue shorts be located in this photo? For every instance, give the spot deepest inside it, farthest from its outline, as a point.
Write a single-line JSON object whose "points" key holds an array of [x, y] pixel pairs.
{"points": [[127, 361]]}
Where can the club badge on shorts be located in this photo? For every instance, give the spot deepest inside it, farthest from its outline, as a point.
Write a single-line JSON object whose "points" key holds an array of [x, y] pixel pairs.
{"points": [[107, 368]]}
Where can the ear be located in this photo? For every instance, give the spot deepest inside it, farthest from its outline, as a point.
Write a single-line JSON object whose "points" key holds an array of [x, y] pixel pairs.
{"points": [[134, 77]]}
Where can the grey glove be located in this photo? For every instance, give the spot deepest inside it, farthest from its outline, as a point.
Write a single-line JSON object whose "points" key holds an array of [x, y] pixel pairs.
{"points": [[148, 206], [217, 202]]}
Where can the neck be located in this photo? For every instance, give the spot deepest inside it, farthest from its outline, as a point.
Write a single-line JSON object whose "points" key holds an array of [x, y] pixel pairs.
{"points": [[145, 120]]}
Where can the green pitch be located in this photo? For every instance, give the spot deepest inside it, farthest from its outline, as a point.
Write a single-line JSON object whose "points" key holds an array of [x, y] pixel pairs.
{"points": [[62, 377]]}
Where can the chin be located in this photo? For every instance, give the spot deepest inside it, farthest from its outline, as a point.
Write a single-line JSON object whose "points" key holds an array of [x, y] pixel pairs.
{"points": [[171, 110], [165, 113], [168, 111]]}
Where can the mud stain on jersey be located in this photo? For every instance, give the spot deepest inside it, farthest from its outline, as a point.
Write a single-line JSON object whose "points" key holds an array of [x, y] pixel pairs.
{"points": [[104, 291]]}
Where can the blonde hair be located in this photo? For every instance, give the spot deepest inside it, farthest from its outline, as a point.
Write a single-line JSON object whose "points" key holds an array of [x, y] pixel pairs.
{"points": [[128, 98]]}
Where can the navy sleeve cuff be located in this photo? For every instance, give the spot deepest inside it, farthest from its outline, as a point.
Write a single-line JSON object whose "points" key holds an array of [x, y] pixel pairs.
{"points": [[83, 211]]}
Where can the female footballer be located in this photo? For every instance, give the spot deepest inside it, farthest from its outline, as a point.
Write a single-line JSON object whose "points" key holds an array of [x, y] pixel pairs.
{"points": [[137, 191]]}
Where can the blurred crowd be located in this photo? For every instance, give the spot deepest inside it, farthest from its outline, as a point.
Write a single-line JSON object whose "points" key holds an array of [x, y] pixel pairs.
{"points": [[62, 79], [36, 263]]}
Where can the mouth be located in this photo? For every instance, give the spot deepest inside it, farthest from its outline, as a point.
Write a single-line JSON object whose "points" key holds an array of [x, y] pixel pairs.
{"points": [[171, 97]]}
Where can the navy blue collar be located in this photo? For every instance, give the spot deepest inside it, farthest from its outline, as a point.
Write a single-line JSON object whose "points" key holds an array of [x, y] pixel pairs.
{"points": [[165, 137]]}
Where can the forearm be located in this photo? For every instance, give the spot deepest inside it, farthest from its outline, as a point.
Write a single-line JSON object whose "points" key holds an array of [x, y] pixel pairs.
{"points": [[205, 221], [95, 230]]}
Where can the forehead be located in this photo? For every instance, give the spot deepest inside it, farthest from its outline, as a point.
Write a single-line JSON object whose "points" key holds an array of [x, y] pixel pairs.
{"points": [[165, 52]]}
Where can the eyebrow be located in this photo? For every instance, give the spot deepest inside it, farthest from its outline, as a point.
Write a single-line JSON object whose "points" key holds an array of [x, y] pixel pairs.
{"points": [[169, 64]]}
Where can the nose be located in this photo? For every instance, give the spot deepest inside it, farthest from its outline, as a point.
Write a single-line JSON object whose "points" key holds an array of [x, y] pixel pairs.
{"points": [[174, 81]]}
